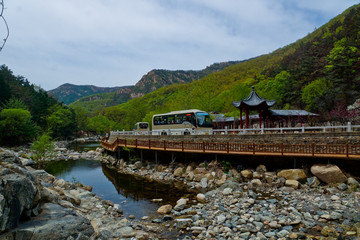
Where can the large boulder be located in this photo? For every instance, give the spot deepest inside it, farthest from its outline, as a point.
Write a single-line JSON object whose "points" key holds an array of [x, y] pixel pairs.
{"points": [[54, 223], [292, 174], [328, 173], [19, 195]]}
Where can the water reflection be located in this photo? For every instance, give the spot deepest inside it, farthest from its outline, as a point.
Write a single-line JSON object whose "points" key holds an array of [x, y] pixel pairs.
{"points": [[132, 193]]}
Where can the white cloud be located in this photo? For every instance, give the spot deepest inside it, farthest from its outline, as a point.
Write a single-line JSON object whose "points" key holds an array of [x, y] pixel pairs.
{"points": [[115, 42]]}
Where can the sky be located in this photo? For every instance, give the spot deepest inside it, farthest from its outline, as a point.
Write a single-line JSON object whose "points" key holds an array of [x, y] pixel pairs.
{"points": [[110, 43]]}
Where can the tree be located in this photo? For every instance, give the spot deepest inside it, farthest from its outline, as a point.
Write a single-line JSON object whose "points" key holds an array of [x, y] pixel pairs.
{"points": [[81, 118], [312, 93], [15, 103], [100, 124], [42, 148], [61, 122], [16, 127]]}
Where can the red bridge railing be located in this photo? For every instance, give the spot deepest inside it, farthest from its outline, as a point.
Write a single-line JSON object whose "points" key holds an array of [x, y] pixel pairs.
{"points": [[278, 149]]}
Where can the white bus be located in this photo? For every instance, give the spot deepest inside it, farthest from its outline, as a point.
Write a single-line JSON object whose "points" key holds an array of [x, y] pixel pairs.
{"points": [[183, 122], [141, 128]]}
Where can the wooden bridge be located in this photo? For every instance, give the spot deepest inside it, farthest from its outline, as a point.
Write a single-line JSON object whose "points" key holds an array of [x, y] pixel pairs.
{"points": [[342, 151]]}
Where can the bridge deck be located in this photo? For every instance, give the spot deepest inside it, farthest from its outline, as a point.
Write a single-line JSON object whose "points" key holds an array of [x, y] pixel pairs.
{"points": [[259, 149]]}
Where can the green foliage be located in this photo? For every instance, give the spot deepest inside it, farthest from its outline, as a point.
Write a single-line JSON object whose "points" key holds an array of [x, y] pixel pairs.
{"points": [[100, 124], [61, 122], [15, 104], [16, 127], [314, 91], [42, 148], [81, 118]]}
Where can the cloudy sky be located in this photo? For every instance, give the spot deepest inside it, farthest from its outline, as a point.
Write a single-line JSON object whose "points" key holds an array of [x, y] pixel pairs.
{"points": [[115, 42]]}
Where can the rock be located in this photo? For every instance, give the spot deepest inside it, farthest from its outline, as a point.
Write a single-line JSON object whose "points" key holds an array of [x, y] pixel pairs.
{"points": [[261, 168], [352, 182], [220, 219], [204, 182], [127, 232], [87, 188], [165, 209], [246, 174], [190, 176], [8, 156], [258, 175], [221, 181], [256, 182], [179, 172], [26, 161], [292, 183], [180, 204], [137, 165], [342, 186], [42, 175], [328, 173], [313, 181], [189, 169], [235, 174], [227, 191], [200, 171], [270, 177], [200, 197], [55, 223], [19, 193], [292, 174]]}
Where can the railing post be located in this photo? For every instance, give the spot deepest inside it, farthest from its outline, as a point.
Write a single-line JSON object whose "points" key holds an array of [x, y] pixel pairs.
{"points": [[282, 149], [164, 145], [149, 144], [253, 148], [262, 129], [203, 146], [347, 150], [348, 127], [125, 142], [136, 143], [313, 149], [182, 145], [227, 147]]}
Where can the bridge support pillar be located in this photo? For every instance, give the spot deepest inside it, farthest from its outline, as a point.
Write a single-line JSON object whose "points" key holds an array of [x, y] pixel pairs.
{"points": [[156, 158]]}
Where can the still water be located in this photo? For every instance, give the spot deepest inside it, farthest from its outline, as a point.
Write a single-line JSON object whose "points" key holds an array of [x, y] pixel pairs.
{"points": [[133, 194]]}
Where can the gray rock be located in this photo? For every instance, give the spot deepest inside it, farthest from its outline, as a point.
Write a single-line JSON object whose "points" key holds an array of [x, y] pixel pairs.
{"points": [[26, 161], [55, 223], [20, 195], [204, 182], [126, 232], [313, 181]]}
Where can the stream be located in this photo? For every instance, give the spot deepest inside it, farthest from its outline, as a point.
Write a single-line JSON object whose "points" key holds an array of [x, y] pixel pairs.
{"points": [[134, 194]]}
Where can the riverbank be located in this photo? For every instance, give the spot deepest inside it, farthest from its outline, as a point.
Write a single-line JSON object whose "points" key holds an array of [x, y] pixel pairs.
{"points": [[321, 202], [317, 203], [36, 205]]}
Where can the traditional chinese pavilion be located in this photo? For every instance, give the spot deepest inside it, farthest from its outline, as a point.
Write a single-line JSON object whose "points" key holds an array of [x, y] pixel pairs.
{"points": [[254, 103]]}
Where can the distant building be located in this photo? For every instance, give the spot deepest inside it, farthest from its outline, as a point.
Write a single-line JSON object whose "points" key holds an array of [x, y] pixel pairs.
{"points": [[265, 117]]}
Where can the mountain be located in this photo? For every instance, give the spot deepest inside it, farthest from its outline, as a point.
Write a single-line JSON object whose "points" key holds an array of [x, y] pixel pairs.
{"points": [[319, 73], [68, 93], [150, 82]]}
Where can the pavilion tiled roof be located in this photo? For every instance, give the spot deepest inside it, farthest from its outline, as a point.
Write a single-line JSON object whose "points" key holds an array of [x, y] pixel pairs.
{"points": [[254, 101]]}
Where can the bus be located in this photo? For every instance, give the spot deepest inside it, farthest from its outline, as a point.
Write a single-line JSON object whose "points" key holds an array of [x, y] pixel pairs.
{"points": [[141, 128], [183, 122]]}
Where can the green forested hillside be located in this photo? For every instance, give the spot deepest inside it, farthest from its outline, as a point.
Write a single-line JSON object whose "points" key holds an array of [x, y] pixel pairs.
{"points": [[27, 111], [320, 73]]}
